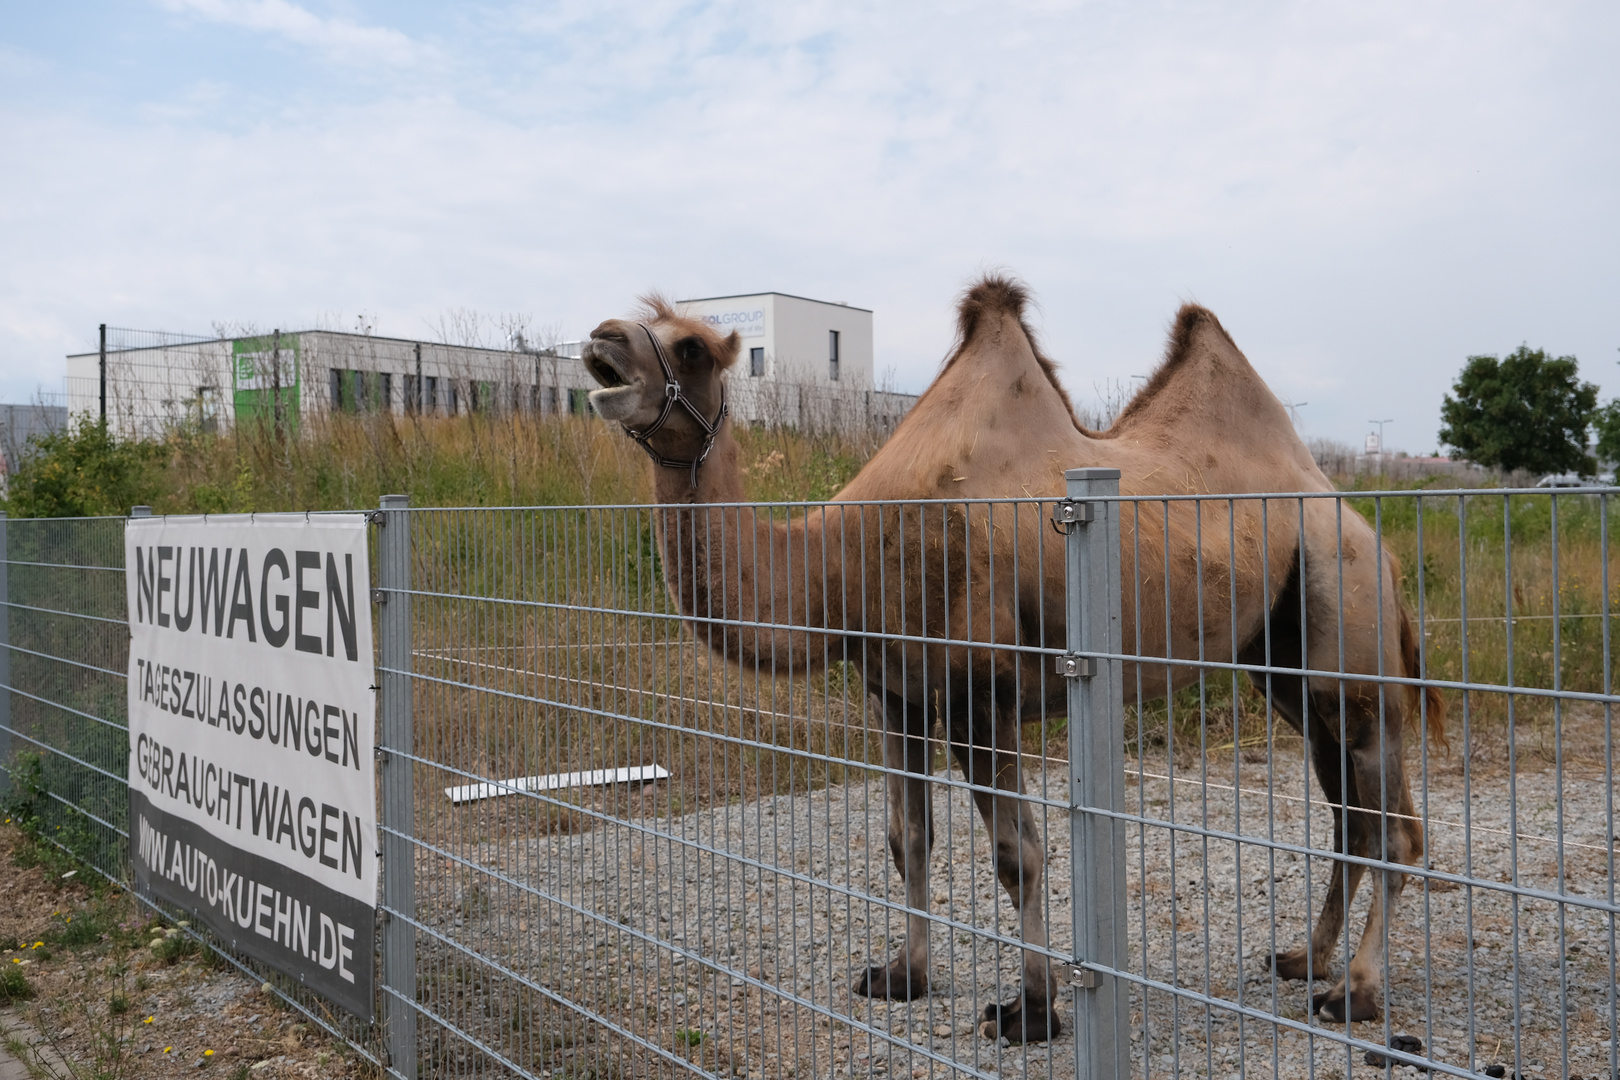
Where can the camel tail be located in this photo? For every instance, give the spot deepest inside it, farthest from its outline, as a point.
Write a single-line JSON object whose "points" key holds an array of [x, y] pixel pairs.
{"points": [[1421, 696]]}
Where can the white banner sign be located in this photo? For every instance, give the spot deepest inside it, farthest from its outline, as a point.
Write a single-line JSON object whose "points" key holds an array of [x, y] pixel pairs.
{"points": [[251, 776]]}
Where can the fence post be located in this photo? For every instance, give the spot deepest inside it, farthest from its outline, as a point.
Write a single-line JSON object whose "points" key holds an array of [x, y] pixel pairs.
{"points": [[1096, 775], [102, 367], [398, 798], [5, 662]]}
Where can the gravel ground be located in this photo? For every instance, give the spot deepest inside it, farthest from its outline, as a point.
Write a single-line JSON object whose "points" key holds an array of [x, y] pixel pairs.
{"points": [[730, 936]]}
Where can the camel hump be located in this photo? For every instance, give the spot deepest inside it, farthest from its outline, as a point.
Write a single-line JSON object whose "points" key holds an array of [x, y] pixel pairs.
{"points": [[992, 295], [1204, 374], [984, 309], [1193, 322]]}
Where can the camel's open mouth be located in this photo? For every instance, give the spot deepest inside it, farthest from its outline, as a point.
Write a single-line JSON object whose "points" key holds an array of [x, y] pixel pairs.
{"points": [[618, 397], [603, 370]]}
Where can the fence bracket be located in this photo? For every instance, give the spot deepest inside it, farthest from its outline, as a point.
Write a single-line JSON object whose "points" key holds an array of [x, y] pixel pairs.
{"points": [[1067, 513], [376, 517], [1075, 667], [1076, 975], [379, 596]]}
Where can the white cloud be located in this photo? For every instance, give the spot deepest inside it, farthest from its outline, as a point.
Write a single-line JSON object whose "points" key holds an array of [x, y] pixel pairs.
{"points": [[339, 38], [1364, 193]]}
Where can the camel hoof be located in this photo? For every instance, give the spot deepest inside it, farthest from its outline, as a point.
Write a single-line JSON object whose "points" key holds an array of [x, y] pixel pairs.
{"points": [[1020, 1021], [1295, 965], [895, 981], [1363, 1004]]}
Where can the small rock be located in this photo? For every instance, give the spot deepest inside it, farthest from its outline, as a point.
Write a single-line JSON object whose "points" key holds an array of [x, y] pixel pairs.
{"points": [[1495, 1070], [943, 1030]]}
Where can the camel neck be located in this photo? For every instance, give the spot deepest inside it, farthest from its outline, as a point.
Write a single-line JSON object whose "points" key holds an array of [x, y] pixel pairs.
{"points": [[734, 567], [719, 478]]}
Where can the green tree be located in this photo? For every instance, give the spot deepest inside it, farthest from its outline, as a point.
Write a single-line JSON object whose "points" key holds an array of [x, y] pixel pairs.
{"points": [[82, 471], [1606, 421], [1527, 411]]}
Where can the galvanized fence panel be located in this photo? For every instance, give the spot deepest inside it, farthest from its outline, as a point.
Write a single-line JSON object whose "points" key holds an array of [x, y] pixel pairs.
{"points": [[637, 856], [67, 649], [64, 724], [613, 850], [1284, 658]]}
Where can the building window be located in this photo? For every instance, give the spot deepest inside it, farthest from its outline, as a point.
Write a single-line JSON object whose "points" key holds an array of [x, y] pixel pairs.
{"points": [[430, 393], [348, 390], [756, 363], [413, 394], [832, 355], [354, 391]]}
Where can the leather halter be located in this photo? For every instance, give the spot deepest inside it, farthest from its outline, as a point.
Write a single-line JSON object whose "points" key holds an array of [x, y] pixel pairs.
{"points": [[674, 395]]}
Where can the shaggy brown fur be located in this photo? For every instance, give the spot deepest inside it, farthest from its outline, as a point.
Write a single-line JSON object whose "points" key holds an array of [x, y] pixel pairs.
{"points": [[1183, 331], [793, 594], [996, 295]]}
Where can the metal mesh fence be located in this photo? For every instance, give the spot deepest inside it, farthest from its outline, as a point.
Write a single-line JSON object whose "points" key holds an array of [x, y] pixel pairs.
{"points": [[1315, 886], [64, 727], [1293, 785], [636, 856]]}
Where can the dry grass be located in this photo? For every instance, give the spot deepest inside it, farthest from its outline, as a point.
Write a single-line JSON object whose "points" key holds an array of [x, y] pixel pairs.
{"points": [[481, 459]]}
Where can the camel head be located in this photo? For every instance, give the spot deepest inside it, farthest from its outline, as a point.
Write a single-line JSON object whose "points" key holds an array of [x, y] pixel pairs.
{"points": [[637, 387]]}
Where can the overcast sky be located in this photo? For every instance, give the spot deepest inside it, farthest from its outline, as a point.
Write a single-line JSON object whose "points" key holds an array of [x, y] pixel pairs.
{"points": [[1366, 193]]}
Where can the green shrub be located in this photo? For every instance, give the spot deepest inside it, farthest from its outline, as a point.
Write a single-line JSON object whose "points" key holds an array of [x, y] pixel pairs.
{"points": [[77, 930], [173, 947], [14, 985], [83, 470]]}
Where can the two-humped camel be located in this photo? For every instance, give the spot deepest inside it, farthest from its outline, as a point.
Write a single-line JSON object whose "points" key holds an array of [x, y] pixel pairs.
{"points": [[996, 424]]}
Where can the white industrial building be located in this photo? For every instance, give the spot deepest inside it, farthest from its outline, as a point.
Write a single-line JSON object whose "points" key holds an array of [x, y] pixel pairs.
{"points": [[804, 363], [285, 376]]}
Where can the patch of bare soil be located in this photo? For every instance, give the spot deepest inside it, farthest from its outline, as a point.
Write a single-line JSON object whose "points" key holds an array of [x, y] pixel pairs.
{"points": [[106, 1003]]}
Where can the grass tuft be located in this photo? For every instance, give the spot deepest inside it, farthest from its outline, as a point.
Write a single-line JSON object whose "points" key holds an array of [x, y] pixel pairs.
{"points": [[14, 985]]}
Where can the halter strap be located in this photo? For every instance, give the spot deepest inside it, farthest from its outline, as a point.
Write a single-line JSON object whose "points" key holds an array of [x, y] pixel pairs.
{"points": [[674, 395]]}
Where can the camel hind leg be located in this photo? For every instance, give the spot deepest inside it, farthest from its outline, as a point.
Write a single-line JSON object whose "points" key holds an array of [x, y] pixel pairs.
{"points": [[1391, 837], [1290, 697], [908, 756], [1352, 622], [986, 746]]}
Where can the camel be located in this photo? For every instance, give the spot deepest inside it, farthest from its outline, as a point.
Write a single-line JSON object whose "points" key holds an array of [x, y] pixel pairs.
{"points": [[884, 580]]}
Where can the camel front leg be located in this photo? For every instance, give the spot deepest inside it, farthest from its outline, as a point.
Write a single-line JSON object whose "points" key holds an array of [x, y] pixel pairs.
{"points": [[1020, 860], [907, 755], [1314, 960]]}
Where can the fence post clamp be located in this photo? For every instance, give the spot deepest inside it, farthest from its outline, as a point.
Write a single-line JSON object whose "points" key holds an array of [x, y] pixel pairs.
{"points": [[376, 517], [1075, 667], [379, 596], [1067, 513], [1076, 975]]}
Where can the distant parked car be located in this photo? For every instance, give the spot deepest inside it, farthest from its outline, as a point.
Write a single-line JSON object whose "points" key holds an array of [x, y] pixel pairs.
{"points": [[1574, 480]]}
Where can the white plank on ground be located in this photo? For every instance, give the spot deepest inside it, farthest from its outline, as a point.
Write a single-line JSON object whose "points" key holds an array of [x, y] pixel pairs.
{"points": [[555, 781]]}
